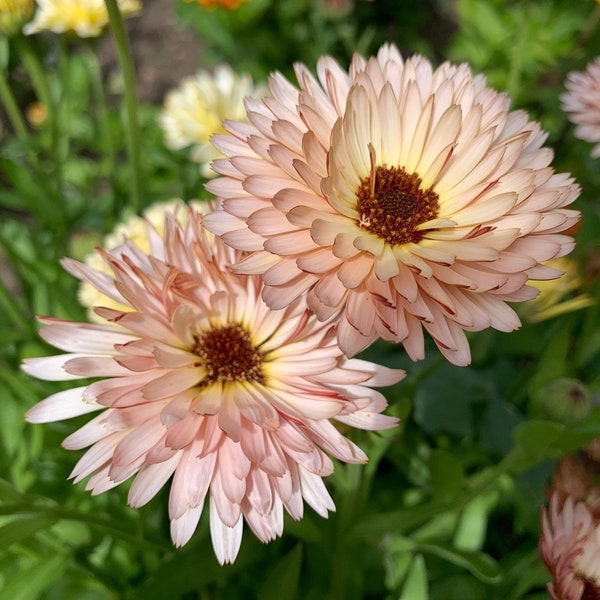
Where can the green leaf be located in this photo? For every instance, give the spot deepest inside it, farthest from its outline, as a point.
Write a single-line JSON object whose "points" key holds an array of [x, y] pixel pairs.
{"points": [[8, 494], [535, 437], [21, 528], [482, 566], [445, 399], [447, 477], [282, 581], [553, 361], [4, 52], [472, 527], [415, 586], [30, 583]]}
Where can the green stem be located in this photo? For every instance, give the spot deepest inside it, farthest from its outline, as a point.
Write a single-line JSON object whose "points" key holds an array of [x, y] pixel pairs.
{"points": [[39, 80], [38, 76], [517, 57], [132, 124], [404, 520], [58, 512], [107, 141], [12, 109]]}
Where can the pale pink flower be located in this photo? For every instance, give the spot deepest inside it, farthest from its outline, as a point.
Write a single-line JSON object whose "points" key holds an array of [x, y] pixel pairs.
{"points": [[201, 381], [582, 101], [402, 197], [570, 547]]}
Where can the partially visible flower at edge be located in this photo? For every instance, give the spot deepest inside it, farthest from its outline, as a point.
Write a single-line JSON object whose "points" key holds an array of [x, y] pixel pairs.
{"points": [[201, 381], [14, 14], [569, 547], [582, 102], [553, 299], [195, 110], [227, 4], [85, 18], [135, 229], [400, 196], [577, 475]]}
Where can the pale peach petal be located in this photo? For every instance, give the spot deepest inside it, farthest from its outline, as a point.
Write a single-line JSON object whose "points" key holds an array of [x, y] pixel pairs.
{"points": [[62, 405]]}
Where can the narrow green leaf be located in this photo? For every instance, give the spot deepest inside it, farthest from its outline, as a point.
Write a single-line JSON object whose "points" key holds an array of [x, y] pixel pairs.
{"points": [[21, 528], [30, 583], [282, 581], [8, 493], [446, 474], [482, 566], [535, 437], [415, 586]]}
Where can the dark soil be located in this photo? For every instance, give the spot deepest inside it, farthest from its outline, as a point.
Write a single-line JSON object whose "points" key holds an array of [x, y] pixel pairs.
{"points": [[163, 52]]}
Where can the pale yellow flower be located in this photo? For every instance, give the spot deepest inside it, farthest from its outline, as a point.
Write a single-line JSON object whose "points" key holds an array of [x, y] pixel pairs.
{"points": [[13, 14], [135, 229], [552, 300], [195, 111], [86, 18]]}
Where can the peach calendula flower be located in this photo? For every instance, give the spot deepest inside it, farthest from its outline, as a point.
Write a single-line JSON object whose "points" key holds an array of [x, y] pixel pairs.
{"points": [[195, 111], [582, 103], [85, 18], [402, 197], [569, 547], [201, 381], [135, 229]]}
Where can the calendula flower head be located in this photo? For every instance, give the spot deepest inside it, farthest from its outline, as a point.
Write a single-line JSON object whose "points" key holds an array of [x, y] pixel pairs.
{"points": [[14, 14], [227, 4], [195, 111], [202, 382], [400, 196], [569, 547], [85, 18], [135, 229], [557, 296], [583, 105]]}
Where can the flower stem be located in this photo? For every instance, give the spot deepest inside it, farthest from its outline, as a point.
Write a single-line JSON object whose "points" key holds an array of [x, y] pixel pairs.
{"points": [[36, 72], [132, 125], [10, 104], [105, 133]]}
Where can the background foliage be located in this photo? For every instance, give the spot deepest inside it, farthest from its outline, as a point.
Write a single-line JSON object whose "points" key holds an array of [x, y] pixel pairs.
{"points": [[448, 507]]}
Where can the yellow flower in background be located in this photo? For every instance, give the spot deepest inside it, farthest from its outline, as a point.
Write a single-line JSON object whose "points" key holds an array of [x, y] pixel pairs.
{"points": [[551, 301], [134, 228], [13, 14], [228, 4], [86, 18], [195, 111]]}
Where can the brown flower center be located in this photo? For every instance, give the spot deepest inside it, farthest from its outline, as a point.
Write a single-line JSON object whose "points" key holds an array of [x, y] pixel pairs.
{"points": [[228, 354], [590, 590], [391, 204]]}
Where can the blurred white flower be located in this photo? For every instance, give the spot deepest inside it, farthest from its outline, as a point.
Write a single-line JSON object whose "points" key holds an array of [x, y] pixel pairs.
{"points": [[195, 111], [583, 104]]}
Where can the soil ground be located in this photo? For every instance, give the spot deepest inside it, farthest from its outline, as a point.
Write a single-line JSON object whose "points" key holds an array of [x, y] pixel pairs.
{"points": [[163, 52]]}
